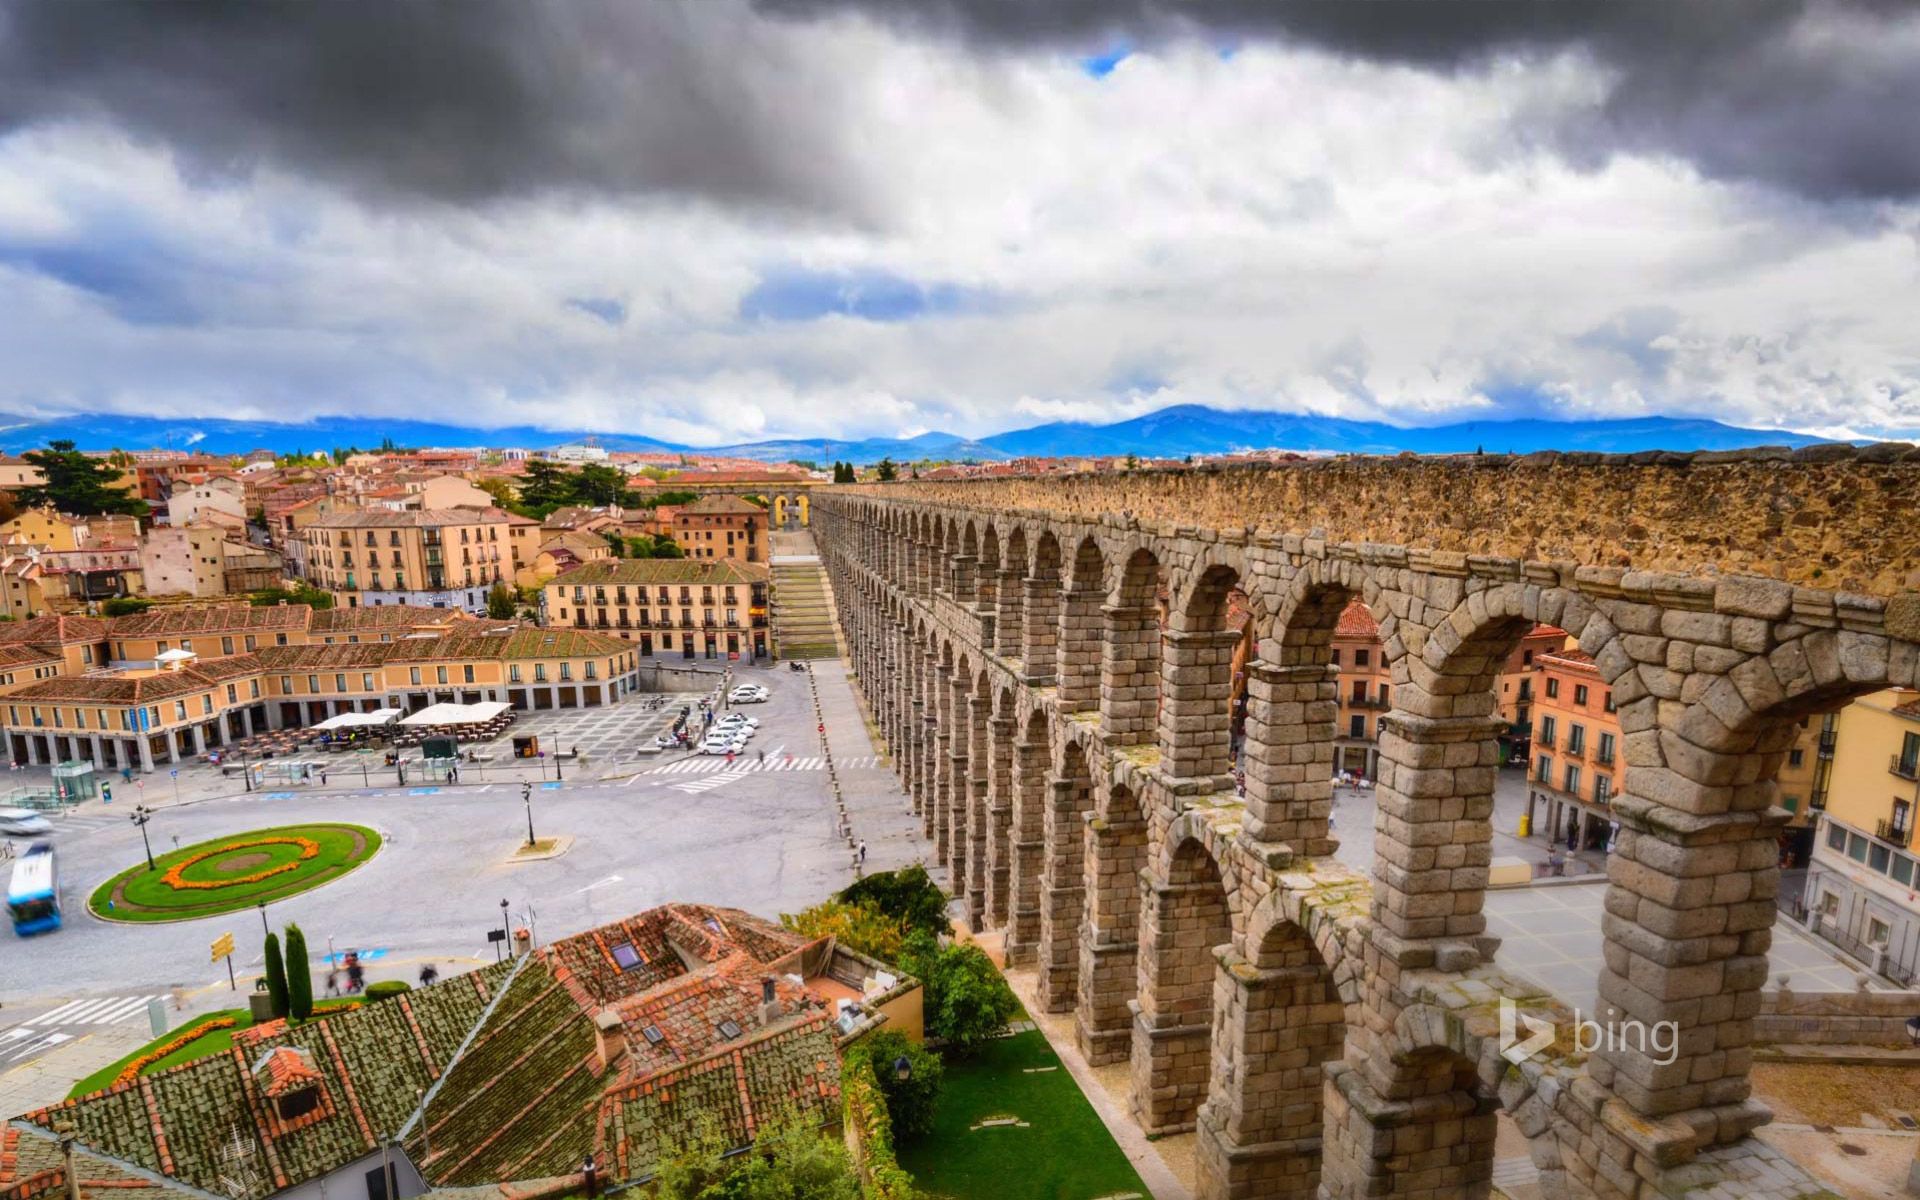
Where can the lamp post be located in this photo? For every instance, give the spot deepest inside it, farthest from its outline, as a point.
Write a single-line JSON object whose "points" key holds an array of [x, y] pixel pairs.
{"points": [[505, 928], [140, 816], [526, 797], [902, 1069], [265, 929]]}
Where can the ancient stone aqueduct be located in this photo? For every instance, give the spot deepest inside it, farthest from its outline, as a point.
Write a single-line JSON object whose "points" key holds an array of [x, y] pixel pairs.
{"points": [[1064, 732]]}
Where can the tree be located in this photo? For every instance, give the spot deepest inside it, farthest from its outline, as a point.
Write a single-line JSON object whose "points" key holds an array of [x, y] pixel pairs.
{"points": [[545, 487], [500, 602], [618, 543], [855, 926], [908, 895], [77, 483], [967, 1000], [124, 606], [911, 1102], [504, 494], [299, 593], [885, 471], [299, 975], [276, 977]]}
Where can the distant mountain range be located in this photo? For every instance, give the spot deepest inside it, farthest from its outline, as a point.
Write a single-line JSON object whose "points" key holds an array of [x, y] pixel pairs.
{"points": [[1168, 433]]}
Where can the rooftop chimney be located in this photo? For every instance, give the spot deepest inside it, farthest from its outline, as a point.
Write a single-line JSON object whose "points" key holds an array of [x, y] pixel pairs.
{"points": [[609, 1037], [769, 1002]]}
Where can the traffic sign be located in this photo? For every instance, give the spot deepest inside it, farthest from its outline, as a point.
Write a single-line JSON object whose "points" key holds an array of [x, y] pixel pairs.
{"points": [[222, 946]]}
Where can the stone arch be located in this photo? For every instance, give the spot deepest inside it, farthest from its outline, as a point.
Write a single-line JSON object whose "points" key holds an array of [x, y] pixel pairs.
{"points": [[1040, 619], [1001, 752], [1197, 677], [1130, 651], [1186, 914], [1280, 1016], [973, 782], [1077, 671], [1032, 762], [1116, 854], [1063, 887], [1696, 861]]}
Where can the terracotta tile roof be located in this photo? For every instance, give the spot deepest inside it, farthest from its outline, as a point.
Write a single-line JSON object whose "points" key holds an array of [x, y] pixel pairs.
{"points": [[1356, 621], [189, 619], [693, 572], [722, 505], [325, 657], [1578, 660], [381, 617], [19, 654], [144, 688], [54, 630], [494, 1076]]}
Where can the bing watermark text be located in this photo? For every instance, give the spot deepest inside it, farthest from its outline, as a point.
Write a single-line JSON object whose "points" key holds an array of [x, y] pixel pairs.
{"points": [[1523, 1035]]}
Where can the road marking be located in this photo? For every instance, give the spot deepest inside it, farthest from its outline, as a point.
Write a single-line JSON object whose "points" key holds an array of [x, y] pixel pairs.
{"points": [[693, 786], [107, 1010], [599, 883]]}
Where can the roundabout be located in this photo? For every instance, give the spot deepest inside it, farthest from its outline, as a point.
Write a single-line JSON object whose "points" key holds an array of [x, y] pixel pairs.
{"points": [[230, 873]]}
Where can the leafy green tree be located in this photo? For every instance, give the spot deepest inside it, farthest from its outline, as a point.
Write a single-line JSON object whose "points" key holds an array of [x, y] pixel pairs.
{"points": [[124, 606], [77, 483], [908, 895], [967, 1000], [500, 602], [545, 486], [276, 977], [911, 1102], [597, 485], [885, 471], [856, 926], [299, 973], [299, 593], [665, 547], [504, 494], [618, 543]]}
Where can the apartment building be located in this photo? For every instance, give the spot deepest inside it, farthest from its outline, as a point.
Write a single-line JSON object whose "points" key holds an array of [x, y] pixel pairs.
{"points": [[1862, 880], [681, 607], [1365, 690], [722, 527], [431, 557], [185, 560]]}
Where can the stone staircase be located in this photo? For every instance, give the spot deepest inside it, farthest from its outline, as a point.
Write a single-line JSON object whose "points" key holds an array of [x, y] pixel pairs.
{"points": [[802, 609]]}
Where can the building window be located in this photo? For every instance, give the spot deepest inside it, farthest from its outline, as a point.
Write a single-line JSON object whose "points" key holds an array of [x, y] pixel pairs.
{"points": [[313, 684], [439, 674], [1553, 687], [1543, 770], [1573, 780], [1602, 788], [413, 676], [1547, 728], [1605, 754], [1796, 757], [1576, 739], [1580, 694], [1336, 657], [1836, 837], [1361, 657]]}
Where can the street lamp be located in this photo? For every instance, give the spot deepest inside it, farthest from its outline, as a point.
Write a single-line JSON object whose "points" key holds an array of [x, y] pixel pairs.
{"points": [[140, 815], [902, 1069], [526, 797], [504, 928], [265, 929]]}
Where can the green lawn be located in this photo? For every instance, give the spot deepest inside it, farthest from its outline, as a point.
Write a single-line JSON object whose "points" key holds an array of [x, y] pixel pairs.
{"points": [[140, 894], [212, 1043], [1062, 1152]]}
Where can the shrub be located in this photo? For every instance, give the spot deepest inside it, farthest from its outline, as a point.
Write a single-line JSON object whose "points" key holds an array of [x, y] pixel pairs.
{"points": [[856, 926], [792, 1160], [387, 988], [967, 1000], [911, 1101], [124, 606], [908, 895], [276, 977], [299, 975]]}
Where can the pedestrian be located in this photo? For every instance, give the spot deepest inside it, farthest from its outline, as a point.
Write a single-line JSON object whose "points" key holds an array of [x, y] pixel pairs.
{"points": [[333, 983], [1573, 837], [863, 851], [763, 756], [729, 758], [323, 777]]}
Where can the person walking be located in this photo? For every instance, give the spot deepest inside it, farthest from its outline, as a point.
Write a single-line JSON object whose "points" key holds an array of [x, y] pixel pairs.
{"points": [[863, 851], [762, 760]]}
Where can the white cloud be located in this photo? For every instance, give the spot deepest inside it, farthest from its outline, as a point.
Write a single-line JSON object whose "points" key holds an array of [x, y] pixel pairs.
{"points": [[1276, 229]]}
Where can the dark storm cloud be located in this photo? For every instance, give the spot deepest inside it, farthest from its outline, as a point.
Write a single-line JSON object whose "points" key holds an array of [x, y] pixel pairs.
{"points": [[1820, 97], [462, 101]]}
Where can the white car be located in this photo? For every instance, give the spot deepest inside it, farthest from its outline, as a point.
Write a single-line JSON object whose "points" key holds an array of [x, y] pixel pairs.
{"points": [[737, 719], [23, 822], [751, 694]]}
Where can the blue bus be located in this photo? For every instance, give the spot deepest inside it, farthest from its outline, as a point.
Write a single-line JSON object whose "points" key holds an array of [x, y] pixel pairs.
{"points": [[33, 898]]}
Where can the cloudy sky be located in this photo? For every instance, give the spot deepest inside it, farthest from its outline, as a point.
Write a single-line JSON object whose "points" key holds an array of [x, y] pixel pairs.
{"points": [[723, 220]]}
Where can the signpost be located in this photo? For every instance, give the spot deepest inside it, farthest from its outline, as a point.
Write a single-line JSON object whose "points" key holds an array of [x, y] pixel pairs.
{"points": [[223, 948]]}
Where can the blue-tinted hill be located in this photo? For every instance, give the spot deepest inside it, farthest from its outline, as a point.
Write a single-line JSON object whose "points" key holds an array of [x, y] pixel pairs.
{"points": [[1168, 433]]}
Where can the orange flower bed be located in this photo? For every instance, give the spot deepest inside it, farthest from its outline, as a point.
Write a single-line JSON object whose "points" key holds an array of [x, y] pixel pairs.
{"points": [[132, 1070], [173, 878]]}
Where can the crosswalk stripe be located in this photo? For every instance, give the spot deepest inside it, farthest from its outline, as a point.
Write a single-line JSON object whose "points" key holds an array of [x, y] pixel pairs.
{"points": [[135, 1005], [67, 1010]]}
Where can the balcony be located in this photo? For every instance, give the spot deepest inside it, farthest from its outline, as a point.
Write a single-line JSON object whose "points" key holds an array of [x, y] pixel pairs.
{"points": [[1904, 767], [1895, 834]]}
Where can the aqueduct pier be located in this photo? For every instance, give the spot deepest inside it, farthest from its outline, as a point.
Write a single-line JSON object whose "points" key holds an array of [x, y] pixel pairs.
{"points": [[1049, 660]]}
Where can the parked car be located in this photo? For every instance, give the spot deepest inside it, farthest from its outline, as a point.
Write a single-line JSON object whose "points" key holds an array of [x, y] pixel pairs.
{"points": [[23, 822], [751, 693]]}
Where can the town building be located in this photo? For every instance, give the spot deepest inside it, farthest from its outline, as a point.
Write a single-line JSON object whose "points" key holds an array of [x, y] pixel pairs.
{"points": [[722, 527], [1365, 690], [176, 681], [1863, 883], [618, 1047], [216, 500], [434, 557], [185, 560], [672, 607]]}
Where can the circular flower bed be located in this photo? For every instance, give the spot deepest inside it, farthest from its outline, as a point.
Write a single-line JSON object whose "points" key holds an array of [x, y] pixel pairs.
{"points": [[234, 872], [176, 874]]}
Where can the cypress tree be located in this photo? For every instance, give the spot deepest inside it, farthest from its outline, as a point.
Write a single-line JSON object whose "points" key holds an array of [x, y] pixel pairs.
{"points": [[276, 977], [299, 975]]}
